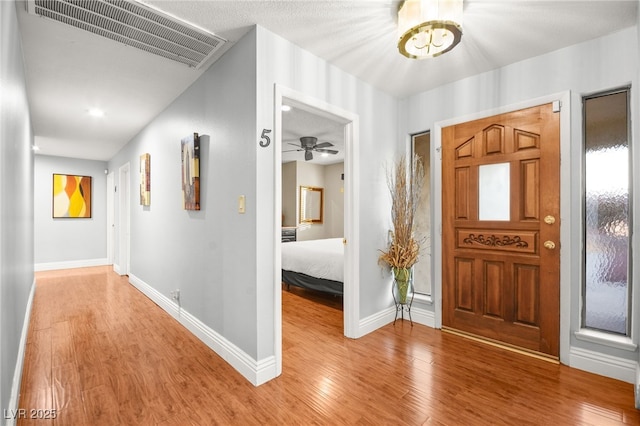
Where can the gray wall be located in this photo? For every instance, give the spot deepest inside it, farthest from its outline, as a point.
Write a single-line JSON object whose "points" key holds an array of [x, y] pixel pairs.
{"points": [[222, 261], [16, 203], [61, 243], [210, 255]]}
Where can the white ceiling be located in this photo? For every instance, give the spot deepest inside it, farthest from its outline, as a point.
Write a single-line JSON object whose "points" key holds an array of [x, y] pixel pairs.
{"points": [[70, 70]]}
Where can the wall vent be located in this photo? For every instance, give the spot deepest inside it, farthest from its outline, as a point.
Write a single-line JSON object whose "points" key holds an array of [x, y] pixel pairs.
{"points": [[134, 24]]}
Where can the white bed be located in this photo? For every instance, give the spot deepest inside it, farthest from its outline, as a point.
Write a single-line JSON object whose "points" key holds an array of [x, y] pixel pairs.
{"points": [[315, 264]]}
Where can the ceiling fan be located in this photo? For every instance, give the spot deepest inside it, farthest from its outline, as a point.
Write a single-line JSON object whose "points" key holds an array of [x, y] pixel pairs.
{"points": [[308, 144]]}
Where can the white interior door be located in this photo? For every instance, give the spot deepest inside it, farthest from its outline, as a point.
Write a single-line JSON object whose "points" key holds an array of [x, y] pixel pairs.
{"points": [[111, 225], [124, 258]]}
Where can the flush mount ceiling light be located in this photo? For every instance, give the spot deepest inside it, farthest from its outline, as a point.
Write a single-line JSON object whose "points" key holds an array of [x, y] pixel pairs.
{"points": [[429, 28]]}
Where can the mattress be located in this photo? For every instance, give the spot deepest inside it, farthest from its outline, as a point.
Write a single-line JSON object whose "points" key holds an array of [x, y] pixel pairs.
{"points": [[316, 258]]}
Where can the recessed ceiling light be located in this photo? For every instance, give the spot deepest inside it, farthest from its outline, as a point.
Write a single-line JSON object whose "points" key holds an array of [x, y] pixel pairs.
{"points": [[286, 108], [96, 112], [35, 148]]}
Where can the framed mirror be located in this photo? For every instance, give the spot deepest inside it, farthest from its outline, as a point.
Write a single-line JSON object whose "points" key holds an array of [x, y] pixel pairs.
{"points": [[311, 199]]}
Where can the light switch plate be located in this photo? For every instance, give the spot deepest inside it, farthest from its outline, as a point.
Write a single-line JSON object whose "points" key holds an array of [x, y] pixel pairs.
{"points": [[241, 204]]}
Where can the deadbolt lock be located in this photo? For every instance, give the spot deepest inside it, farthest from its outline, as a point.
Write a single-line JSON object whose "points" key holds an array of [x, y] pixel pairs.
{"points": [[549, 220]]}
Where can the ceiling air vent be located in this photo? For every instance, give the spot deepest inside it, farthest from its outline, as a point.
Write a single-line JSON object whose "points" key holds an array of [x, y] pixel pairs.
{"points": [[134, 24]]}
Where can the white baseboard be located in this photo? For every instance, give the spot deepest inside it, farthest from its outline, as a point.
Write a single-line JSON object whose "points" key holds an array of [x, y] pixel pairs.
{"points": [[423, 316], [52, 266], [256, 372], [375, 321], [17, 374], [372, 323], [604, 365]]}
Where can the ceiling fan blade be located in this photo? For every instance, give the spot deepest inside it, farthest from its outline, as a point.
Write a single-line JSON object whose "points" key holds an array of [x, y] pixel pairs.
{"points": [[295, 144], [328, 151], [323, 145], [293, 150], [308, 155]]}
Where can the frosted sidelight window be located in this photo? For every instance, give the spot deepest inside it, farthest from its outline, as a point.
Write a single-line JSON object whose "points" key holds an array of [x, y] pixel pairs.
{"points": [[422, 220], [606, 287], [494, 191]]}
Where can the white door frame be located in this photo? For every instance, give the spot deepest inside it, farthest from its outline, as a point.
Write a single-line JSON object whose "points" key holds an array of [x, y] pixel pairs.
{"points": [[564, 99], [351, 298], [124, 231], [110, 217]]}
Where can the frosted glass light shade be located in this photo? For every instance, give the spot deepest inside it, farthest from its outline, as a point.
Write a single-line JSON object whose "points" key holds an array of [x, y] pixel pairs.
{"points": [[429, 28]]}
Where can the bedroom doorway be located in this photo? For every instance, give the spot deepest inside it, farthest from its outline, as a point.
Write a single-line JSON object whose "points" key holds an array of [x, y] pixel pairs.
{"points": [[347, 124]]}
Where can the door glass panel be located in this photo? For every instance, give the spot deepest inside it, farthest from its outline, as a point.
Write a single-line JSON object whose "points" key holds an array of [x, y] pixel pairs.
{"points": [[606, 202], [494, 191]]}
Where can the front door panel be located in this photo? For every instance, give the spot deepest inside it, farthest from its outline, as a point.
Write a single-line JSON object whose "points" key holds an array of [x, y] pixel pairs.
{"points": [[500, 258]]}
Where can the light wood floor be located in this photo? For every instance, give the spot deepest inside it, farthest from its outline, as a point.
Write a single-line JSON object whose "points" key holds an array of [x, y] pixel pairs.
{"points": [[100, 353]]}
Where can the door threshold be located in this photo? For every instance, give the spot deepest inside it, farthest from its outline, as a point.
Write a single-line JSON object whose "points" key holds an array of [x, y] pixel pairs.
{"points": [[502, 345]]}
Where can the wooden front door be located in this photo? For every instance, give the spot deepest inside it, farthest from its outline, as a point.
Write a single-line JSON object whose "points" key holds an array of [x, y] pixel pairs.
{"points": [[501, 228]]}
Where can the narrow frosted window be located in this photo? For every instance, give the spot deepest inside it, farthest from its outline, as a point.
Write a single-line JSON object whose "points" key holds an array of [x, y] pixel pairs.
{"points": [[607, 217], [422, 269]]}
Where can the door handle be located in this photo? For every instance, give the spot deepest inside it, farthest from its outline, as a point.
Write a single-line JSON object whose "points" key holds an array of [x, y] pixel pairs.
{"points": [[549, 245]]}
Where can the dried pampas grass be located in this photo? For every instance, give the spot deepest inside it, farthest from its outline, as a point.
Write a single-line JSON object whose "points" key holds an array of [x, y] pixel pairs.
{"points": [[405, 187]]}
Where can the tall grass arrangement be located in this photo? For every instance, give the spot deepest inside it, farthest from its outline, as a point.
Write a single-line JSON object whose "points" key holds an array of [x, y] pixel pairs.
{"points": [[405, 187]]}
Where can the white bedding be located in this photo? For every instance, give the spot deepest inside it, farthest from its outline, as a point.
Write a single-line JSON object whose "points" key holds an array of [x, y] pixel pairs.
{"points": [[316, 258]]}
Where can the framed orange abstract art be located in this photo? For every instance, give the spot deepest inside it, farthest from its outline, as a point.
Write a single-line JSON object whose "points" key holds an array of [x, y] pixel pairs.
{"points": [[71, 196]]}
